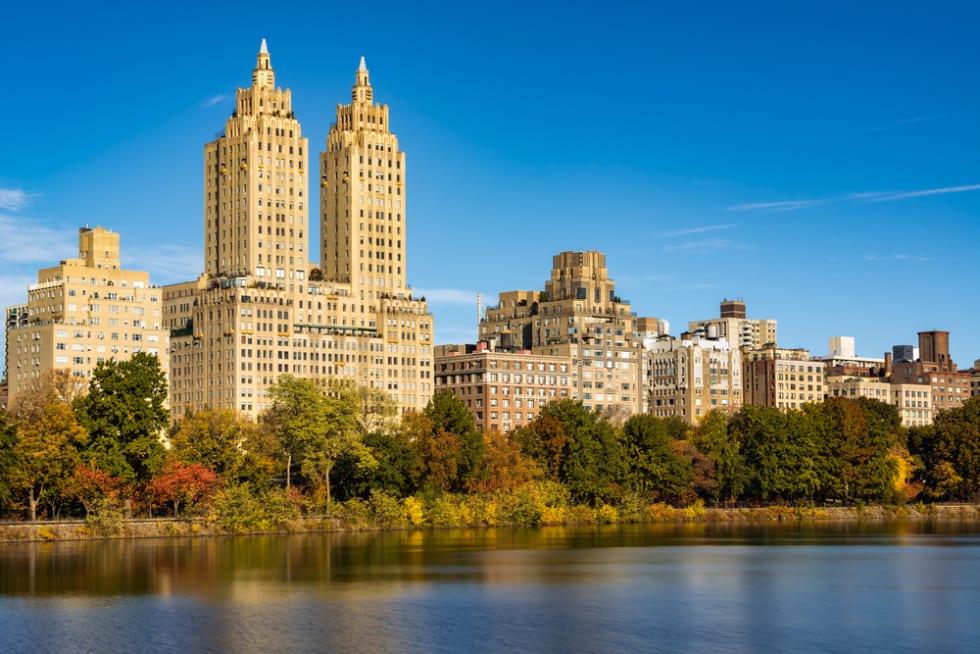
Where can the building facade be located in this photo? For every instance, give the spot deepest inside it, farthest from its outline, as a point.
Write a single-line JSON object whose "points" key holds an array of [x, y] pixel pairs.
{"points": [[781, 377], [579, 317], [689, 377], [261, 309], [733, 326], [935, 368], [504, 390], [83, 312]]}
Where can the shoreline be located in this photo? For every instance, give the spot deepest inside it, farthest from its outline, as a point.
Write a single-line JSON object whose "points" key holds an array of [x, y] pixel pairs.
{"points": [[138, 528]]}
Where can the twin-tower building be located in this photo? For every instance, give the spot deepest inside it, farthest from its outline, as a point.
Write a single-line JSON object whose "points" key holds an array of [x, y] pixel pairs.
{"points": [[260, 309]]}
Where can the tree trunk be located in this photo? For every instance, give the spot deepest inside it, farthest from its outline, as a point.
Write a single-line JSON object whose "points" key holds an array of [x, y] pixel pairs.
{"points": [[32, 502], [289, 465]]}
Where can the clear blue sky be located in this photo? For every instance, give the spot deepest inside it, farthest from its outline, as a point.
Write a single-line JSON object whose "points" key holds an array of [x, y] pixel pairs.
{"points": [[820, 161]]}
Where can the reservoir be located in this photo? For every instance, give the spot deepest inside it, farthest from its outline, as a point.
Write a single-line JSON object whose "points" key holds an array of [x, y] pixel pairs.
{"points": [[813, 587]]}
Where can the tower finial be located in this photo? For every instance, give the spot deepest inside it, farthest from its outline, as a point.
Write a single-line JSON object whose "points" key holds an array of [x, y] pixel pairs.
{"points": [[363, 66], [263, 49]]}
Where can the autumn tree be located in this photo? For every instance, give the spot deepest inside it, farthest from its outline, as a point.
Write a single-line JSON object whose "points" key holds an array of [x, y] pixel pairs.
{"points": [[450, 448], [91, 486], [235, 448], [181, 484], [543, 443], [47, 445], [506, 467], [125, 414]]}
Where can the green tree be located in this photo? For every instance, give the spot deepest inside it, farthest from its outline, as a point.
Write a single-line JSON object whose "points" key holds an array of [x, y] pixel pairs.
{"points": [[396, 471], [8, 461], [779, 452], [125, 414], [713, 438], [861, 437], [543, 443], [655, 467], [592, 464], [316, 429], [950, 453]]}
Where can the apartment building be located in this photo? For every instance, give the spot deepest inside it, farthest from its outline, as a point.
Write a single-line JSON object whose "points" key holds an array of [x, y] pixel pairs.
{"points": [[82, 312], [503, 389], [690, 376], [579, 317], [261, 309], [733, 326], [781, 377], [935, 368]]}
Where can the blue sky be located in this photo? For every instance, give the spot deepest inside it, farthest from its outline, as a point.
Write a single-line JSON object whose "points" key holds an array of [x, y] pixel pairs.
{"points": [[818, 160]]}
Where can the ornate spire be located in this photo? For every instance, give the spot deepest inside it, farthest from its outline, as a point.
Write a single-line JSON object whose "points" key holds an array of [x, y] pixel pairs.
{"points": [[263, 74], [362, 85]]}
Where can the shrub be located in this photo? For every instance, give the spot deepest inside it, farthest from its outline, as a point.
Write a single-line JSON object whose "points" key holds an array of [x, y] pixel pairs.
{"points": [[105, 518]]}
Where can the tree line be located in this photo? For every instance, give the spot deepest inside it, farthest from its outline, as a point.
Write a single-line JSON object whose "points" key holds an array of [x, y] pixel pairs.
{"points": [[324, 450]]}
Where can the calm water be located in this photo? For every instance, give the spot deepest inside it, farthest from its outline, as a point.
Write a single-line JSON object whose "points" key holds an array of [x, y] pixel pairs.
{"points": [[694, 588]]}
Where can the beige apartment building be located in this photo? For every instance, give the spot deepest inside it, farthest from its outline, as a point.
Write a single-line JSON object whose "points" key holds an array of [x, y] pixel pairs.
{"points": [[689, 377], [579, 317], [733, 326], [781, 377], [82, 312], [504, 390], [261, 309]]}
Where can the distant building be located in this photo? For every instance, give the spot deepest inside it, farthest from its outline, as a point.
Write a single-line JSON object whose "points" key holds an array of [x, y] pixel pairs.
{"points": [[578, 316], [503, 390], [689, 377], [842, 360], [82, 312], [733, 326], [914, 403], [781, 377], [935, 368]]}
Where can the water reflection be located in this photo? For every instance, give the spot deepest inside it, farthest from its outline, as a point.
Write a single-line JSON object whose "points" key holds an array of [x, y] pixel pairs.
{"points": [[847, 587]]}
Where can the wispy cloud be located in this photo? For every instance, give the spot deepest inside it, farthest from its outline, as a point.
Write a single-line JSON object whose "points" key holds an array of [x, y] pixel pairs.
{"points": [[14, 199], [213, 100], [166, 264], [859, 196], [904, 122], [25, 241], [447, 295], [895, 257], [891, 196], [696, 230], [781, 205], [705, 245]]}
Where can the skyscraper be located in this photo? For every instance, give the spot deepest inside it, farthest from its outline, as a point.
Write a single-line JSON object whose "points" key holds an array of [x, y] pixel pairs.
{"points": [[255, 211], [362, 198], [261, 309]]}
